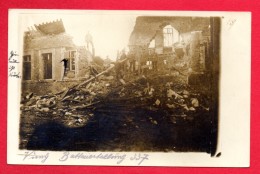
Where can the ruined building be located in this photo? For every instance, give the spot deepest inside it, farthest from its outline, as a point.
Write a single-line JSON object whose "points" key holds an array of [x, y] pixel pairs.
{"points": [[178, 41], [44, 48]]}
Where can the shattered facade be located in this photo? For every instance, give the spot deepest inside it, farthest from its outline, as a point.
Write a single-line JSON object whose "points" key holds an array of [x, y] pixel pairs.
{"points": [[45, 47], [176, 40]]}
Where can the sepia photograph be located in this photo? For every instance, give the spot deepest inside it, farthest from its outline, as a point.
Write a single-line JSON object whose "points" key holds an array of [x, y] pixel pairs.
{"points": [[125, 82]]}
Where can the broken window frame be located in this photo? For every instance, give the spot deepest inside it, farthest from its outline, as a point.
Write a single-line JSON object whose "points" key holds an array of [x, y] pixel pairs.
{"points": [[167, 36], [72, 60]]}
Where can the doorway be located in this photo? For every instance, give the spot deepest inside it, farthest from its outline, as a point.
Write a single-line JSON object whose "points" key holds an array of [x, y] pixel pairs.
{"points": [[47, 65]]}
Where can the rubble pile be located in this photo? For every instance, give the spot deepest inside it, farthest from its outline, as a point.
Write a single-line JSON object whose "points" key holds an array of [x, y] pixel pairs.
{"points": [[115, 107], [174, 99], [71, 105], [75, 106]]}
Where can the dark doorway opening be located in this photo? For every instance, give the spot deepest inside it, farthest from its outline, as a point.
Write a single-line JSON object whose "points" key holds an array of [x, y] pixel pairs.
{"points": [[27, 67], [47, 65]]}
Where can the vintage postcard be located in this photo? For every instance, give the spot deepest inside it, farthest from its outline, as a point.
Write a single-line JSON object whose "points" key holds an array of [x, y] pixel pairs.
{"points": [[129, 88]]}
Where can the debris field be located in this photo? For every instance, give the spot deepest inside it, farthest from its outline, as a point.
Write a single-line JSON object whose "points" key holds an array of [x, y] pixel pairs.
{"points": [[144, 113]]}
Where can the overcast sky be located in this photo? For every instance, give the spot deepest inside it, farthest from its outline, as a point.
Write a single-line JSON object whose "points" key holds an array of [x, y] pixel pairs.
{"points": [[110, 32]]}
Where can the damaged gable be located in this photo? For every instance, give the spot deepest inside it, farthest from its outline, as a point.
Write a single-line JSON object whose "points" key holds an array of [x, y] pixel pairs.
{"points": [[54, 27], [46, 35], [146, 27]]}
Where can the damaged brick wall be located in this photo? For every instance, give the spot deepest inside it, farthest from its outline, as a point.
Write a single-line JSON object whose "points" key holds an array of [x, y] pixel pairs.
{"points": [[196, 51]]}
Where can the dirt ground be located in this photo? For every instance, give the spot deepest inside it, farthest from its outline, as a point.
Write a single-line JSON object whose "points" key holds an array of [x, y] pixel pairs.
{"points": [[153, 113]]}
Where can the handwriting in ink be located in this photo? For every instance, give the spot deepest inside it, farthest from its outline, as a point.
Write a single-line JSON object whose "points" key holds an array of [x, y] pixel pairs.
{"points": [[140, 158], [231, 22], [12, 59], [12, 54], [34, 156], [11, 68], [15, 74], [84, 156], [119, 158]]}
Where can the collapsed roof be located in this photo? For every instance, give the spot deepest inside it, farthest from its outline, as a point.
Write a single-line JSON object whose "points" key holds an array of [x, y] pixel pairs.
{"points": [[47, 35], [54, 27]]}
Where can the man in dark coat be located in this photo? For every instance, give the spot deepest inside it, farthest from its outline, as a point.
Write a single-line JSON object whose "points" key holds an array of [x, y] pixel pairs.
{"points": [[65, 64]]}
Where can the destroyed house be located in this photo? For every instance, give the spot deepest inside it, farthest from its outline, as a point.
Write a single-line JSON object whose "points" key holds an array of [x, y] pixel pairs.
{"points": [[45, 46], [172, 38]]}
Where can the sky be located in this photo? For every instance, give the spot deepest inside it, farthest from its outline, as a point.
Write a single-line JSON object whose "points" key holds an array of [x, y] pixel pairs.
{"points": [[110, 32]]}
